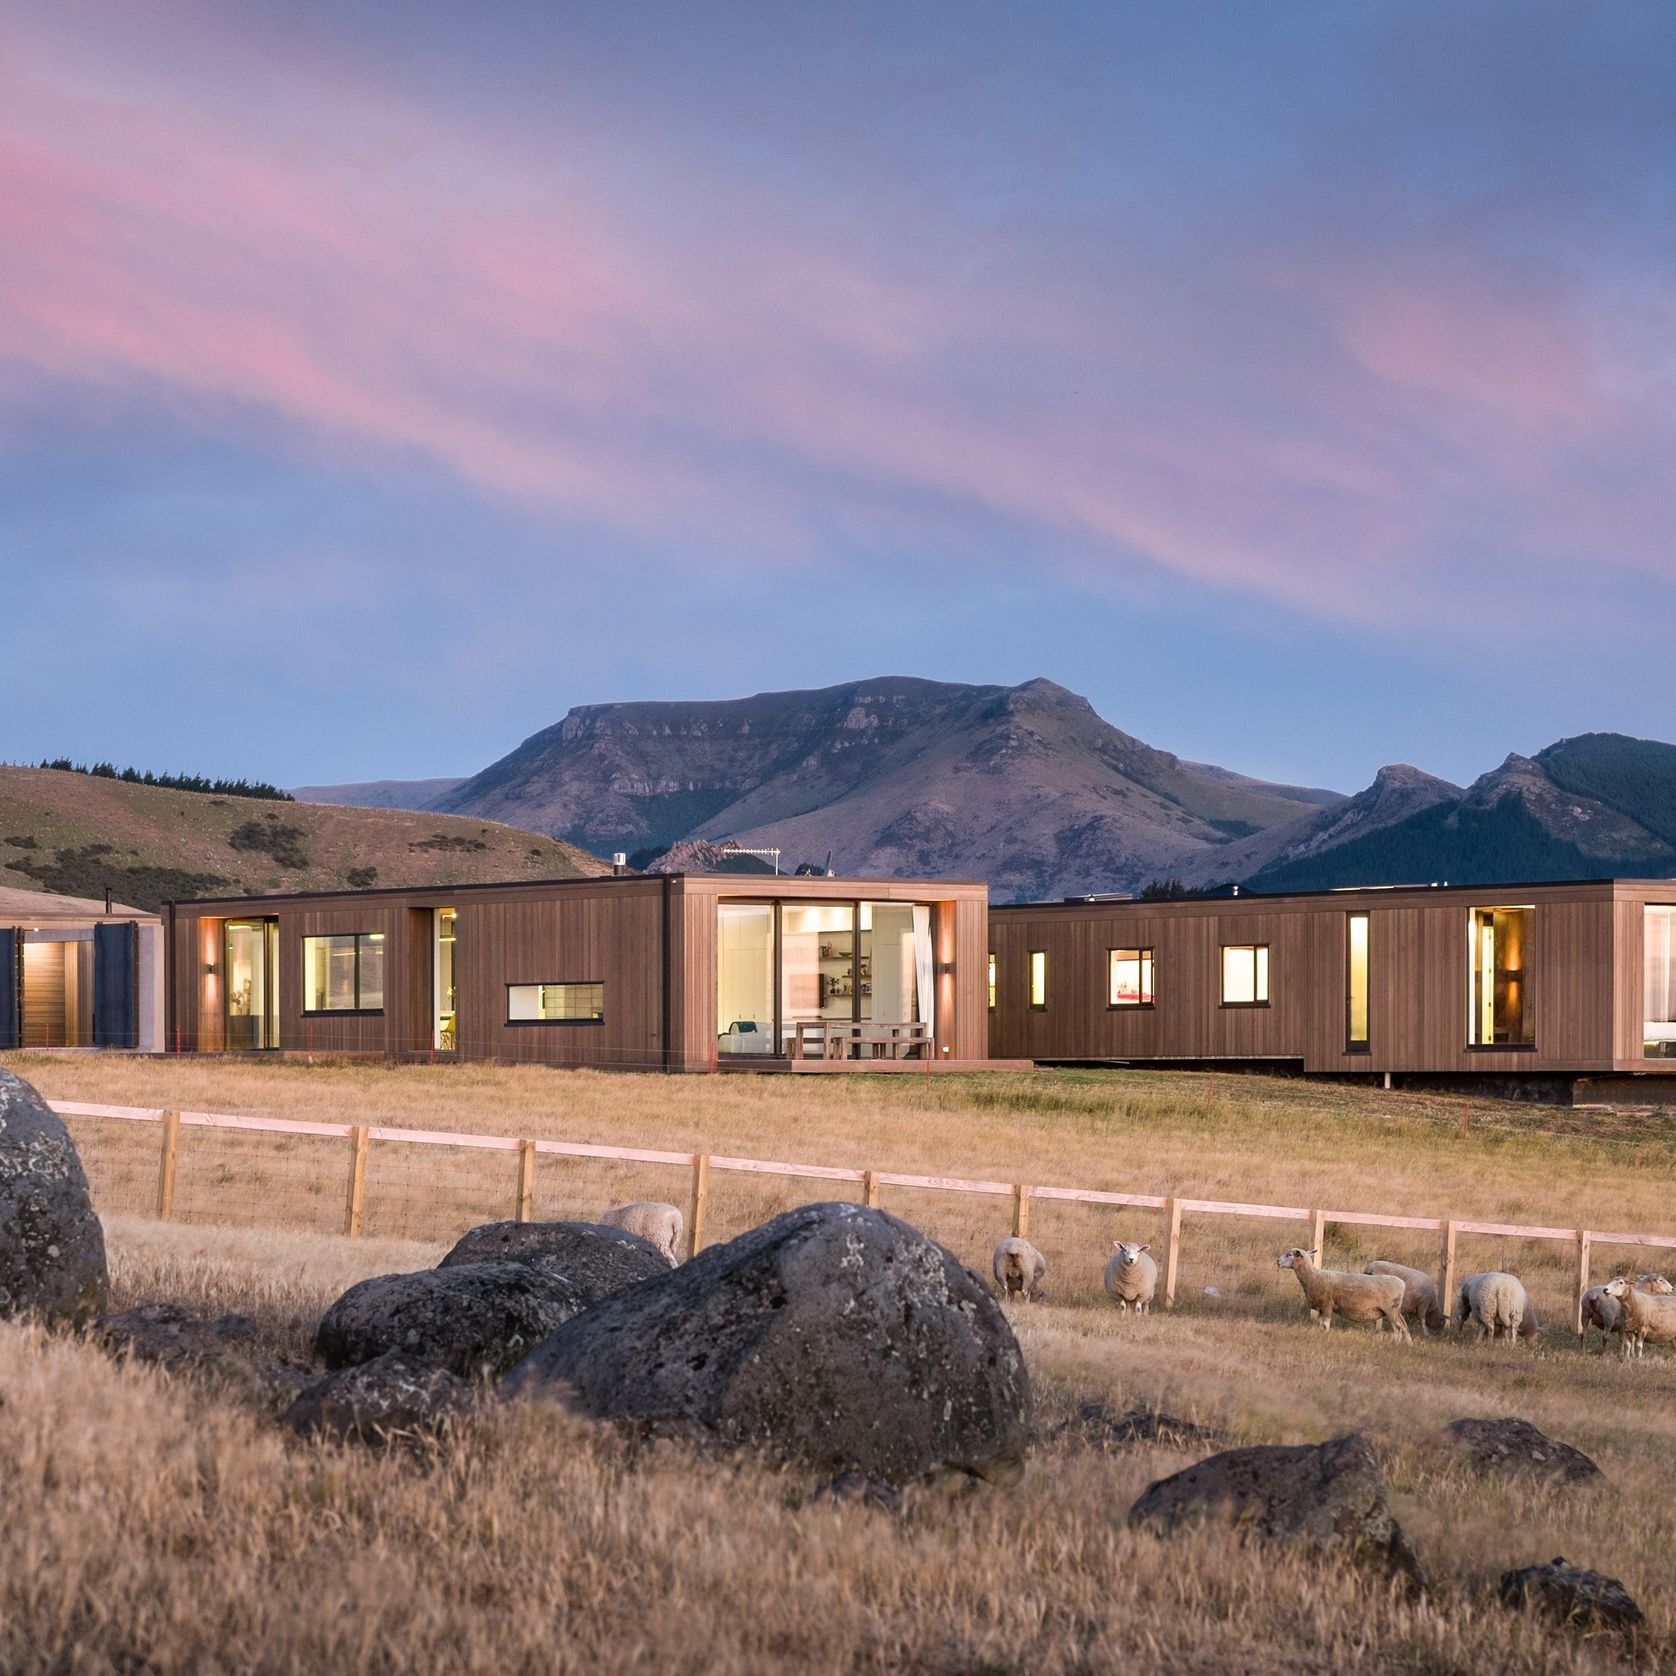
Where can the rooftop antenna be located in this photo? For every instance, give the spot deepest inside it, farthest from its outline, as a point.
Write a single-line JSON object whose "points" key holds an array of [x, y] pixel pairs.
{"points": [[829, 873]]}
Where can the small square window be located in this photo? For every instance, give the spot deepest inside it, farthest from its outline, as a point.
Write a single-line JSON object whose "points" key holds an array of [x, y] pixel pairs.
{"points": [[1245, 974], [1130, 981]]}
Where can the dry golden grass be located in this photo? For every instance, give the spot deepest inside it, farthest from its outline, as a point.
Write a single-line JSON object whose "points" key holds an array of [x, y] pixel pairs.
{"points": [[152, 1528]]}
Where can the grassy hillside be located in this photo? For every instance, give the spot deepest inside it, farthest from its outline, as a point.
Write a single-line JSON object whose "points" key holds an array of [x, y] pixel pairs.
{"points": [[79, 836]]}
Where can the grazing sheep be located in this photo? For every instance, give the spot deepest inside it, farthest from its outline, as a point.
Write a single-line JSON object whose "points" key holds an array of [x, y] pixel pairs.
{"points": [[662, 1224], [1357, 1297], [1602, 1311], [1419, 1294], [1642, 1316], [1498, 1304], [1019, 1267], [1131, 1276]]}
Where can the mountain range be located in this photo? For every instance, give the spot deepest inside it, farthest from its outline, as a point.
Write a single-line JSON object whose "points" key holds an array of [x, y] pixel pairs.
{"points": [[1027, 787]]}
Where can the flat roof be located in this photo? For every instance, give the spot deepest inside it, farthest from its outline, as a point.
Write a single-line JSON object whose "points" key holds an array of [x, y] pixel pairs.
{"points": [[18, 905], [1501, 888]]}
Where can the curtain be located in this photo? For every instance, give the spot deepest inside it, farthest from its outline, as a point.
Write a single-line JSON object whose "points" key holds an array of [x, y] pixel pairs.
{"points": [[922, 967]]}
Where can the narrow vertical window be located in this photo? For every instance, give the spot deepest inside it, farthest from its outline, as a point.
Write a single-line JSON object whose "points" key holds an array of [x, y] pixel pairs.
{"points": [[1356, 991], [992, 982], [1658, 959], [1502, 1015], [1038, 978]]}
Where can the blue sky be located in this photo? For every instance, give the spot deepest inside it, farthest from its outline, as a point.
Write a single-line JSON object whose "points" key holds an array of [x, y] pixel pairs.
{"points": [[378, 381]]}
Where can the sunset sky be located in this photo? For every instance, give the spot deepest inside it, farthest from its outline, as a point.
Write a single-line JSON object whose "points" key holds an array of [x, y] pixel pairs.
{"points": [[378, 379]]}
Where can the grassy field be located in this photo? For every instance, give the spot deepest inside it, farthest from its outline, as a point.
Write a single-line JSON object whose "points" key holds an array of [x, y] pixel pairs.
{"points": [[153, 1528]]}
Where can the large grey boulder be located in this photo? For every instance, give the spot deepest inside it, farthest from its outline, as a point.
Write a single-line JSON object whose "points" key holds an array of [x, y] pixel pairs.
{"points": [[1327, 1494], [595, 1259], [834, 1334], [393, 1398], [1509, 1444], [223, 1351], [52, 1249], [474, 1319], [1584, 1599]]}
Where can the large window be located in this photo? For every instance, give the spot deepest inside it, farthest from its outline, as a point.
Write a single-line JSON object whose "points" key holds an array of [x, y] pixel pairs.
{"points": [[1245, 974], [1356, 982], [555, 1003], [1038, 979], [344, 974], [1658, 965], [1501, 1009], [1130, 981]]}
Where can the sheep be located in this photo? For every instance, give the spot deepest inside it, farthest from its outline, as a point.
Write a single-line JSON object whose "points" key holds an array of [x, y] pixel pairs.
{"points": [[1019, 1267], [1642, 1316], [1357, 1297], [1131, 1276], [1602, 1311], [1498, 1303], [1419, 1294], [662, 1224]]}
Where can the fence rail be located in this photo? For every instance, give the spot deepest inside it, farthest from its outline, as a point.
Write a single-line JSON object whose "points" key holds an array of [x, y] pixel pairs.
{"points": [[361, 1137]]}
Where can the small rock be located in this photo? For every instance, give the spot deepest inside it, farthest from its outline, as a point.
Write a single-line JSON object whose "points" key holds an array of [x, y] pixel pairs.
{"points": [[858, 1487], [1095, 1426], [1516, 1445], [52, 1248], [835, 1333], [392, 1397], [1587, 1599], [219, 1350], [1330, 1494], [595, 1259], [473, 1318]]}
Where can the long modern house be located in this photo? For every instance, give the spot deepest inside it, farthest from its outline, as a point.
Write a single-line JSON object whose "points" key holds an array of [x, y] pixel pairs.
{"points": [[678, 972], [1538, 983]]}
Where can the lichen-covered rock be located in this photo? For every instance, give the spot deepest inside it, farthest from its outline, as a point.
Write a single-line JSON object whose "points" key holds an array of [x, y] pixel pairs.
{"points": [[1096, 1426], [835, 1334], [221, 1351], [393, 1398], [474, 1319], [52, 1248], [1515, 1445], [1586, 1599], [595, 1259], [1328, 1494]]}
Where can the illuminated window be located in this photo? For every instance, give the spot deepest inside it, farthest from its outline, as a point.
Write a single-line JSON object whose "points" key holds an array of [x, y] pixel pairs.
{"points": [[1501, 1010], [1038, 978], [1356, 987], [555, 1003], [1130, 983], [344, 974], [992, 983], [1658, 964], [1245, 974]]}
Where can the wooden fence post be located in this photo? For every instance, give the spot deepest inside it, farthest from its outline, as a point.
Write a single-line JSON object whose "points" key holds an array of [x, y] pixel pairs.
{"points": [[1583, 1255], [1021, 1210], [1446, 1292], [1318, 1237], [870, 1189], [701, 1201], [526, 1181], [354, 1200], [166, 1167], [1172, 1250]]}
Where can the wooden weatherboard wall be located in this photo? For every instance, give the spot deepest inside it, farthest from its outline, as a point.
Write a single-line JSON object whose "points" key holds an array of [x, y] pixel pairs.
{"points": [[1583, 968]]}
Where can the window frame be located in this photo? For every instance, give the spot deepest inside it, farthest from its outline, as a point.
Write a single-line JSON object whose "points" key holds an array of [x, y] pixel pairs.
{"points": [[1352, 1042], [1146, 961], [555, 983], [357, 1011], [1038, 963], [1222, 976]]}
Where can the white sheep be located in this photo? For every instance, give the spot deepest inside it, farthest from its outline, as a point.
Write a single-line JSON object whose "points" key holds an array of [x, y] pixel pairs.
{"points": [[1019, 1267], [1642, 1316], [662, 1224], [1498, 1304], [1131, 1276], [1419, 1294], [1357, 1297], [1600, 1310]]}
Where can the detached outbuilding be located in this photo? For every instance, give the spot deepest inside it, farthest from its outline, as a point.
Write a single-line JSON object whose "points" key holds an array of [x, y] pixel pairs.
{"points": [[78, 973]]}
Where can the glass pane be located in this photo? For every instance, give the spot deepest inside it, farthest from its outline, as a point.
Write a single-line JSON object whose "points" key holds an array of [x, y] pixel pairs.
{"points": [[314, 974], [992, 983], [1357, 954], [745, 977], [1261, 956], [1038, 977], [817, 963], [889, 969], [1501, 1016], [446, 1037], [1659, 983], [340, 974], [523, 1002], [248, 1000], [371, 996], [1239, 974]]}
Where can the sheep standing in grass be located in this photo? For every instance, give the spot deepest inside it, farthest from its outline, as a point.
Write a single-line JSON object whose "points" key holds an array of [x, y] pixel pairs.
{"points": [[1019, 1267], [1642, 1316], [1419, 1294], [1498, 1304], [1131, 1276], [1357, 1297], [662, 1224], [1602, 1311]]}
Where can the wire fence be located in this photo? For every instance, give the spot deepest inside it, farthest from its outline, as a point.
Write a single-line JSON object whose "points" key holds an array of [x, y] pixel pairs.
{"points": [[433, 1185]]}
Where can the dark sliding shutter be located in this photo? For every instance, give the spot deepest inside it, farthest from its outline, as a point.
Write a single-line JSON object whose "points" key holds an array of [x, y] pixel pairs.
{"points": [[116, 968], [11, 989]]}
